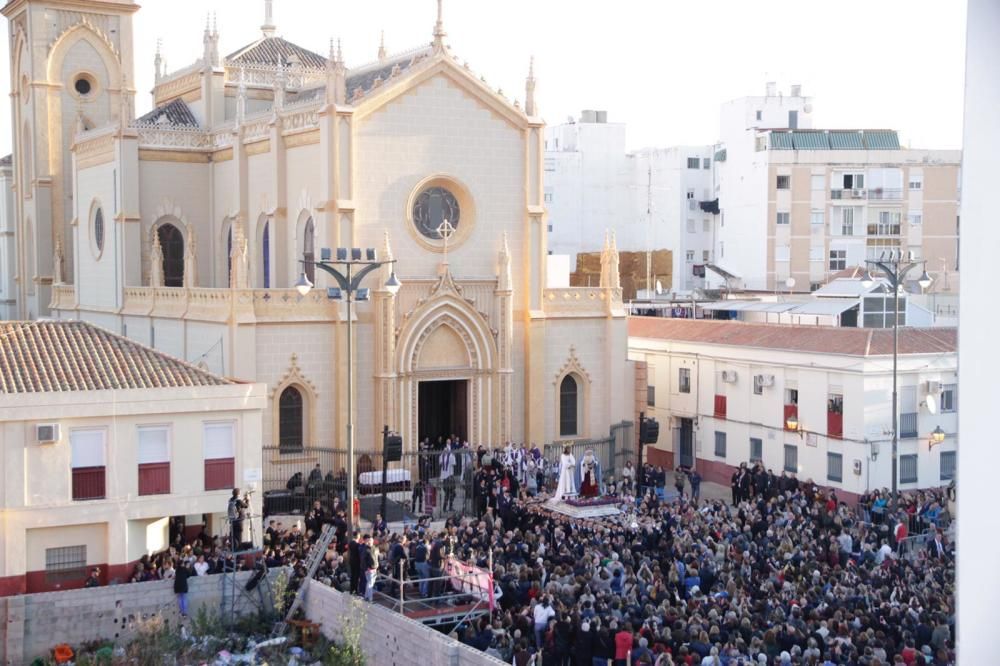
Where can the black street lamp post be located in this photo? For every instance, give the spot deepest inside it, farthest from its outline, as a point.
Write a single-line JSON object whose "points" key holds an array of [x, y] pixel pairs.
{"points": [[350, 289], [894, 266]]}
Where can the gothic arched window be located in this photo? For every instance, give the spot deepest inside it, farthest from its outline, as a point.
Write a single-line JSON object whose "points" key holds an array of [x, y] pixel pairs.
{"points": [[291, 416], [172, 246], [309, 250], [568, 407]]}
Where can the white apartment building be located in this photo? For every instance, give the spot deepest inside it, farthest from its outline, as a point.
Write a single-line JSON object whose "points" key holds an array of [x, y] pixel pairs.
{"points": [[804, 203], [651, 198], [673, 188], [8, 245], [102, 442], [588, 186], [724, 393]]}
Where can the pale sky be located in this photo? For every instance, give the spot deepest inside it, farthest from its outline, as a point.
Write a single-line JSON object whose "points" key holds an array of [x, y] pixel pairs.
{"points": [[663, 67]]}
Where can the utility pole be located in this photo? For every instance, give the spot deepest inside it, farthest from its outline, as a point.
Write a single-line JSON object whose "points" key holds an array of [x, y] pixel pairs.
{"points": [[649, 228]]}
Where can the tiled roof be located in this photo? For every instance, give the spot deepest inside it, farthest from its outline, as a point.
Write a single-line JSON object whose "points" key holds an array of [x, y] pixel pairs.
{"points": [[364, 77], [816, 339], [176, 112], [275, 51], [51, 356], [7, 160]]}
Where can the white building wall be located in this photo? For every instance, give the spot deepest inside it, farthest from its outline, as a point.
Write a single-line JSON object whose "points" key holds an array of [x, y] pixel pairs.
{"points": [[865, 385], [977, 570]]}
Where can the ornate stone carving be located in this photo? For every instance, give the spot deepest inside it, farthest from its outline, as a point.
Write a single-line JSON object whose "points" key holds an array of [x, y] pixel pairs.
{"points": [[293, 375], [571, 366]]}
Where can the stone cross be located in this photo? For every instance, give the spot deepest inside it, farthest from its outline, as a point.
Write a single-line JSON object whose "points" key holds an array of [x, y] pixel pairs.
{"points": [[445, 231]]}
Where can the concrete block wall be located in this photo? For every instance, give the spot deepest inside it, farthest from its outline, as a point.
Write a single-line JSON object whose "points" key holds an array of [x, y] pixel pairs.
{"points": [[31, 625], [388, 638]]}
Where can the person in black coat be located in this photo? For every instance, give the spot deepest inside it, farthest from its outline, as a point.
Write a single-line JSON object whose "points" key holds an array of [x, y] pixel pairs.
{"points": [[181, 576], [354, 561], [583, 646]]}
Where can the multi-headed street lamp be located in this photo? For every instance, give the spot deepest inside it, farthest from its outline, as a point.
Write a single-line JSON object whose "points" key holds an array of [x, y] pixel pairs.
{"points": [[350, 289], [894, 265]]}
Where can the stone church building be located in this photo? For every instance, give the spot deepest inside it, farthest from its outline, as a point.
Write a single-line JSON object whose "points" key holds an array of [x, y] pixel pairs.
{"points": [[186, 229]]}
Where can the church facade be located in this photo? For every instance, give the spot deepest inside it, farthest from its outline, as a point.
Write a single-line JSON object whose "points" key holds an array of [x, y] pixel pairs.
{"points": [[187, 228]]}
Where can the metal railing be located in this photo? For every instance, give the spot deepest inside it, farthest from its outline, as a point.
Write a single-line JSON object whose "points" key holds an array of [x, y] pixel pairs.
{"points": [[419, 484], [908, 425], [885, 194], [611, 451], [858, 193]]}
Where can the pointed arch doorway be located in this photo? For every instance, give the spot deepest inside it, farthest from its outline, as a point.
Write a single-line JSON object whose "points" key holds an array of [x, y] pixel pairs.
{"points": [[443, 409]]}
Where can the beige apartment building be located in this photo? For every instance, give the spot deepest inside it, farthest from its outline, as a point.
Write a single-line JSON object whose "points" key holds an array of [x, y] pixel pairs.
{"points": [[833, 203], [102, 442]]}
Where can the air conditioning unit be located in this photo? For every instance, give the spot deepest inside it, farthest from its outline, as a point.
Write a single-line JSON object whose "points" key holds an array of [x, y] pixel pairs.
{"points": [[763, 380], [47, 433], [933, 387], [856, 193], [729, 376]]}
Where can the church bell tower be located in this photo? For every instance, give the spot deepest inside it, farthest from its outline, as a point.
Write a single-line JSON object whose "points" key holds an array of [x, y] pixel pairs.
{"points": [[71, 67]]}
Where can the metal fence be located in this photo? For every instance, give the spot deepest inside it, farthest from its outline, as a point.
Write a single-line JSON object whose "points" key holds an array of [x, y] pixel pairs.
{"points": [[419, 484], [611, 451]]}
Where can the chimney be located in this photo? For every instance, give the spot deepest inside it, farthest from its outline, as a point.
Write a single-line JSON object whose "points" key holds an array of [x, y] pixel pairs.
{"points": [[772, 89]]}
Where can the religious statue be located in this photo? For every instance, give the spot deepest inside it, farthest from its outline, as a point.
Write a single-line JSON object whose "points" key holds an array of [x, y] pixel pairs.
{"points": [[567, 473], [589, 475]]}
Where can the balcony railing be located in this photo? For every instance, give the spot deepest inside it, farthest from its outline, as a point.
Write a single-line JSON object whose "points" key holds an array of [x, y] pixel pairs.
{"points": [[835, 425], [154, 479], [720, 406], [885, 194], [908, 425], [855, 193], [88, 483], [220, 473]]}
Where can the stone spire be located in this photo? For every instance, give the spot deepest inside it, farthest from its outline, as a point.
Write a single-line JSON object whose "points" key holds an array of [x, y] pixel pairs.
{"points": [[241, 98], [238, 265], [268, 28], [156, 262], [504, 281], [439, 33], [280, 81], [58, 260], [529, 90], [158, 61], [386, 256], [336, 76], [190, 263], [126, 110], [381, 47], [614, 272], [212, 52]]}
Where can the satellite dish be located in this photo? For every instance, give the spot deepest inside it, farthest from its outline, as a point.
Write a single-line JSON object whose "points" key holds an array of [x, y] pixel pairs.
{"points": [[790, 282], [931, 403], [659, 287]]}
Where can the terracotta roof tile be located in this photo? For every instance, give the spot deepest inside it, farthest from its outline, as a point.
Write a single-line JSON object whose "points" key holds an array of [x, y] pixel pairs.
{"points": [[817, 339], [50, 356]]}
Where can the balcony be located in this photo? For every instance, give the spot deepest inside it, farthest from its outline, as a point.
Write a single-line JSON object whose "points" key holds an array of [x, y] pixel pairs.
{"points": [[720, 406], [856, 194], [791, 412], [908, 425], [154, 479], [88, 483], [835, 425], [885, 194], [220, 473]]}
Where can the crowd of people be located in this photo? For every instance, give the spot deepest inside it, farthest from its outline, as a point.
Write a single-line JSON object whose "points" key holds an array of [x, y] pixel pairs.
{"points": [[786, 574]]}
